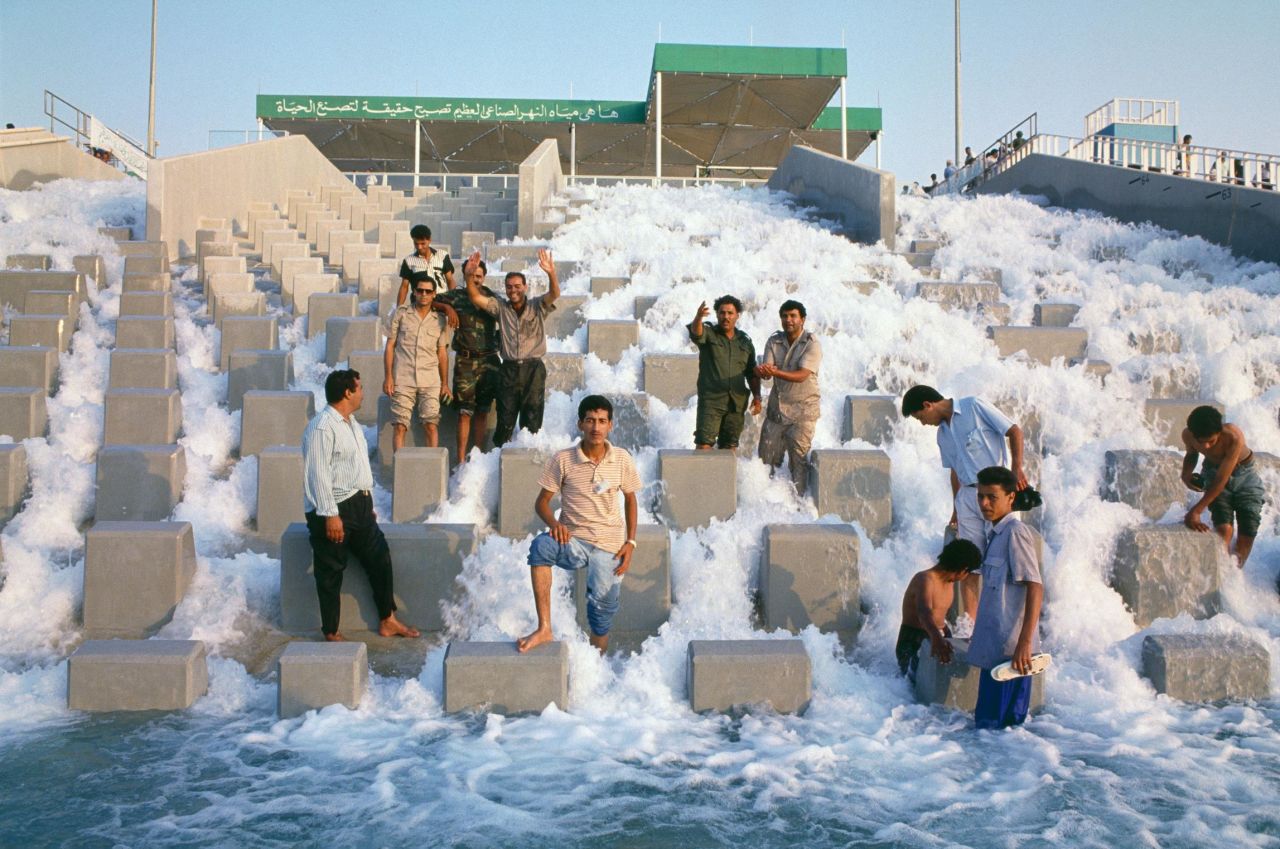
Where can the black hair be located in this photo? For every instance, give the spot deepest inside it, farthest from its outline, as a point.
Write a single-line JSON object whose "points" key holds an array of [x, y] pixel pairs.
{"points": [[594, 402], [960, 555], [913, 402], [998, 476], [420, 231], [728, 299], [788, 306], [511, 274], [339, 383], [1204, 421]]}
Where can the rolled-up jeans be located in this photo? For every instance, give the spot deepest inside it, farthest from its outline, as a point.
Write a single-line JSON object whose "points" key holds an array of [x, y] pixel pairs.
{"points": [[602, 585]]}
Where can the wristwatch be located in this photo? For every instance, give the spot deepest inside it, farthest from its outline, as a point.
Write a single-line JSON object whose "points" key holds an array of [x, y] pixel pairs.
{"points": [[632, 542]]}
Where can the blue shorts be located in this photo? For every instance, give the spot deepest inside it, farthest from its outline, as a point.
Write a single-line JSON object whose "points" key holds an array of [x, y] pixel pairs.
{"points": [[602, 585]]}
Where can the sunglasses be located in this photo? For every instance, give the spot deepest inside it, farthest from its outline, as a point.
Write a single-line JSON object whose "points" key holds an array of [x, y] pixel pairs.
{"points": [[424, 291]]}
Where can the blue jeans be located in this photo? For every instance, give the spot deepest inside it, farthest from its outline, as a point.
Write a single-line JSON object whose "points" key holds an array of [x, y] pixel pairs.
{"points": [[602, 585], [1001, 703]]}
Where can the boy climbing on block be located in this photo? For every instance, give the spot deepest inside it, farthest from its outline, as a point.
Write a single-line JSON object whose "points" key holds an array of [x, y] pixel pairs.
{"points": [[1230, 483], [926, 602]]}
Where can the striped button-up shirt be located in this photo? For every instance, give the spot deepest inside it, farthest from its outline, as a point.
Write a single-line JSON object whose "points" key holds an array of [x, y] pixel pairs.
{"points": [[590, 506], [522, 336], [335, 457]]}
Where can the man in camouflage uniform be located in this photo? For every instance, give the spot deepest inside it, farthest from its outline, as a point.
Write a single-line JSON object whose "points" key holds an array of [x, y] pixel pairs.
{"points": [[475, 369]]}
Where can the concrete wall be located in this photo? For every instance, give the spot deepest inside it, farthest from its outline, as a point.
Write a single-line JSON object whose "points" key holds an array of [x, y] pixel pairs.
{"points": [[862, 198], [31, 156], [540, 178], [222, 183], [1243, 219]]}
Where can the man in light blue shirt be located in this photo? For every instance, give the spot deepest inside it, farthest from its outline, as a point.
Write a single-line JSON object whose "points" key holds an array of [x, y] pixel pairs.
{"points": [[339, 507], [972, 435]]}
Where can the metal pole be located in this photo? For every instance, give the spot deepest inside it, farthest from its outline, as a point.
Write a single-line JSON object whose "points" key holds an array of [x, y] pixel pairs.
{"points": [[573, 150], [151, 97], [417, 150], [879, 144], [959, 127], [844, 124], [658, 110]]}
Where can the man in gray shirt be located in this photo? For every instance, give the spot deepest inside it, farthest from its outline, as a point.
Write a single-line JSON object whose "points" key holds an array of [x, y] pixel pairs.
{"points": [[522, 376], [1009, 611], [792, 356]]}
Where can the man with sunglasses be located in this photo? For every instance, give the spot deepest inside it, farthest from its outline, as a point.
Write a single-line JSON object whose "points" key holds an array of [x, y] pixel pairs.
{"points": [[416, 362]]}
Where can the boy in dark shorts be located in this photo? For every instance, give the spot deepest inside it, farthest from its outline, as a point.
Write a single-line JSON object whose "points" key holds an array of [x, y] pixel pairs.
{"points": [[1233, 492], [926, 602]]}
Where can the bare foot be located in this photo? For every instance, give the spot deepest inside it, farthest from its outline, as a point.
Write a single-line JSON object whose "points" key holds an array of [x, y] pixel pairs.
{"points": [[393, 627], [335, 637], [532, 641]]}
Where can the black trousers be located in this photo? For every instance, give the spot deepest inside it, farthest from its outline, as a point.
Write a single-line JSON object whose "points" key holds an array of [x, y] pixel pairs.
{"points": [[362, 540], [522, 387]]}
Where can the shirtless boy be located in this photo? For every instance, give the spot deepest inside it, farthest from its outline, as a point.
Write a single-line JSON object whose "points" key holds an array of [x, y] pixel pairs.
{"points": [[1230, 483], [927, 600]]}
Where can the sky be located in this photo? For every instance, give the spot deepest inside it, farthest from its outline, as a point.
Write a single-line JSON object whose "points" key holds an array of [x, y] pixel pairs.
{"points": [[1059, 59]]}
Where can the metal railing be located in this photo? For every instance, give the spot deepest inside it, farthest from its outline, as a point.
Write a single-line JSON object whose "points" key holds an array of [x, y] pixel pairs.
{"points": [[681, 182], [95, 137], [1131, 110], [993, 158], [227, 138], [447, 181]]}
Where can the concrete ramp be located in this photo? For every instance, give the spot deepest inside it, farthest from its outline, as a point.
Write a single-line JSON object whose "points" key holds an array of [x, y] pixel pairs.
{"points": [[861, 198], [31, 155]]}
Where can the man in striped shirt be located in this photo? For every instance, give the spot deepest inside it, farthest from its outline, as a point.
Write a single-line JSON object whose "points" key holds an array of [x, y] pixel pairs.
{"points": [[339, 507], [591, 532]]}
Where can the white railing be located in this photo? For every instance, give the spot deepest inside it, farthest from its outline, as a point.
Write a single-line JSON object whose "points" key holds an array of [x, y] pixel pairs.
{"points": [[227, 138], [682, 182], [111, 146], [1131, 110], [406, 180]]}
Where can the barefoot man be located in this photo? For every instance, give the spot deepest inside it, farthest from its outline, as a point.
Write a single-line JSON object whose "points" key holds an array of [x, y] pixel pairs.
{"points": [[339, 507], [591, 532], [1228, 480]]}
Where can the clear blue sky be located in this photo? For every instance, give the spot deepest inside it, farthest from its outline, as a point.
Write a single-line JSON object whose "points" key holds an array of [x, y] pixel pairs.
{"points": [[1061, 59]]}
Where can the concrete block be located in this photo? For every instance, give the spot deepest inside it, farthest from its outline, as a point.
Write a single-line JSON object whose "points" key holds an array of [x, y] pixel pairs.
{"points": [[963, 296], [426, 559], [1207, 667], [27, 262], [955, 684], [567, 317], [924, 245], [388, 291], [142, 416], [145, 331], [325, 228], [29, 365], [316, 675], [238, 305], [1170, 380], [1167, 417], [213, 223], [564, 371], [993, 314], [246, 333], [404, 245], [251, 369], [338, 241], [143, 368], [209, 252], [645, 597], [854, 485], [307, 285], [421, 483], [528, 254], [156, 304], [290, 268], [127, 675], [1055, 315], [271, 238], [228, 283], [14, 285], [322, 307], [809, 576], [353, 254], [311, 224], [373, 219], [474, 240], [22, 412], [344, 335], [273, 418], [630, 421], [52, 303], [48, 331], [370, 270], [1150, 481], [1163, 570], [697, 486], [221, 265], [123, 234], [518, 473], [135, 575], [724, 674], [158, 250], [643, 304], [283, 249], [91, 266], [917, 259], [280, 473], [370, 366], [140, 483], [1156, 342], [13, 479], [671, 378], [870, 418], [601, 286], [496, 678], [1041, 344], [145, 265], [608, 339], [387, 231]]}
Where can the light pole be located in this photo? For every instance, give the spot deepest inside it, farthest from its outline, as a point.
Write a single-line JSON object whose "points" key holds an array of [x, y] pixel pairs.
{"points": [[959, 144], [151, 95]]}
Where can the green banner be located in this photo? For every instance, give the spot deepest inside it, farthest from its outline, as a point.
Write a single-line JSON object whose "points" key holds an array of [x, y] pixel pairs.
{"points": [[287, 106]]}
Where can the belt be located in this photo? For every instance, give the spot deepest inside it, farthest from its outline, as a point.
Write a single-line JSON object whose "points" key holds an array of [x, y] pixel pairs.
{"points": [[476, 355], [359, 492], [522, 362]]}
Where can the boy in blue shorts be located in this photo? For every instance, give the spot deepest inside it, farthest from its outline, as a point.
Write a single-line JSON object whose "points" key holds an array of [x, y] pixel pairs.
{"points": [[1233, 492]]}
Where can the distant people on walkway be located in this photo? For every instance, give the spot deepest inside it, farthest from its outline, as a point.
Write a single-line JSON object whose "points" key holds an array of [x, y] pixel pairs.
{"points": [[726, 373], [972, 435], [791, 359], [476, 363], [337, 498], [1018, 140], [1182, 162], [1008, 624], [949, 171], [522, 376], [424, 264], [416, 365], [933, 184], [1218, 169], [1263, 179], [1229, 481], [926, 602], [968, 156], [591, 532]]}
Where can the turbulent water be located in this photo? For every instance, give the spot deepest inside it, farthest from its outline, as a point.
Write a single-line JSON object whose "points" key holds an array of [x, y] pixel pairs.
{"points": [[1106, 764]]}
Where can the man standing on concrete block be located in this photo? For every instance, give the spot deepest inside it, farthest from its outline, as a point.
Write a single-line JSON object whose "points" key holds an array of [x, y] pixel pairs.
{"points": [[592, 533], [336, 489], [522, 376], [792, 355], [726, 370], [1230, 483], [425, 265], [475, 344], [971, 436], [416, 365], [1008, 626]]}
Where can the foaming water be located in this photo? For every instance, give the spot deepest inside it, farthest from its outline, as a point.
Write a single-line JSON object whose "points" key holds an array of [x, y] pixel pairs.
{"points": [[1107, 763]]}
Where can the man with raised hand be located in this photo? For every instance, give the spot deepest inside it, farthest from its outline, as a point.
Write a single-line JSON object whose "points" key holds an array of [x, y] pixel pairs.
{"points": [[522, 376], [336, 491], [475, 346], [726, 371], [416, 365], [591, 531], [791, 357]]}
